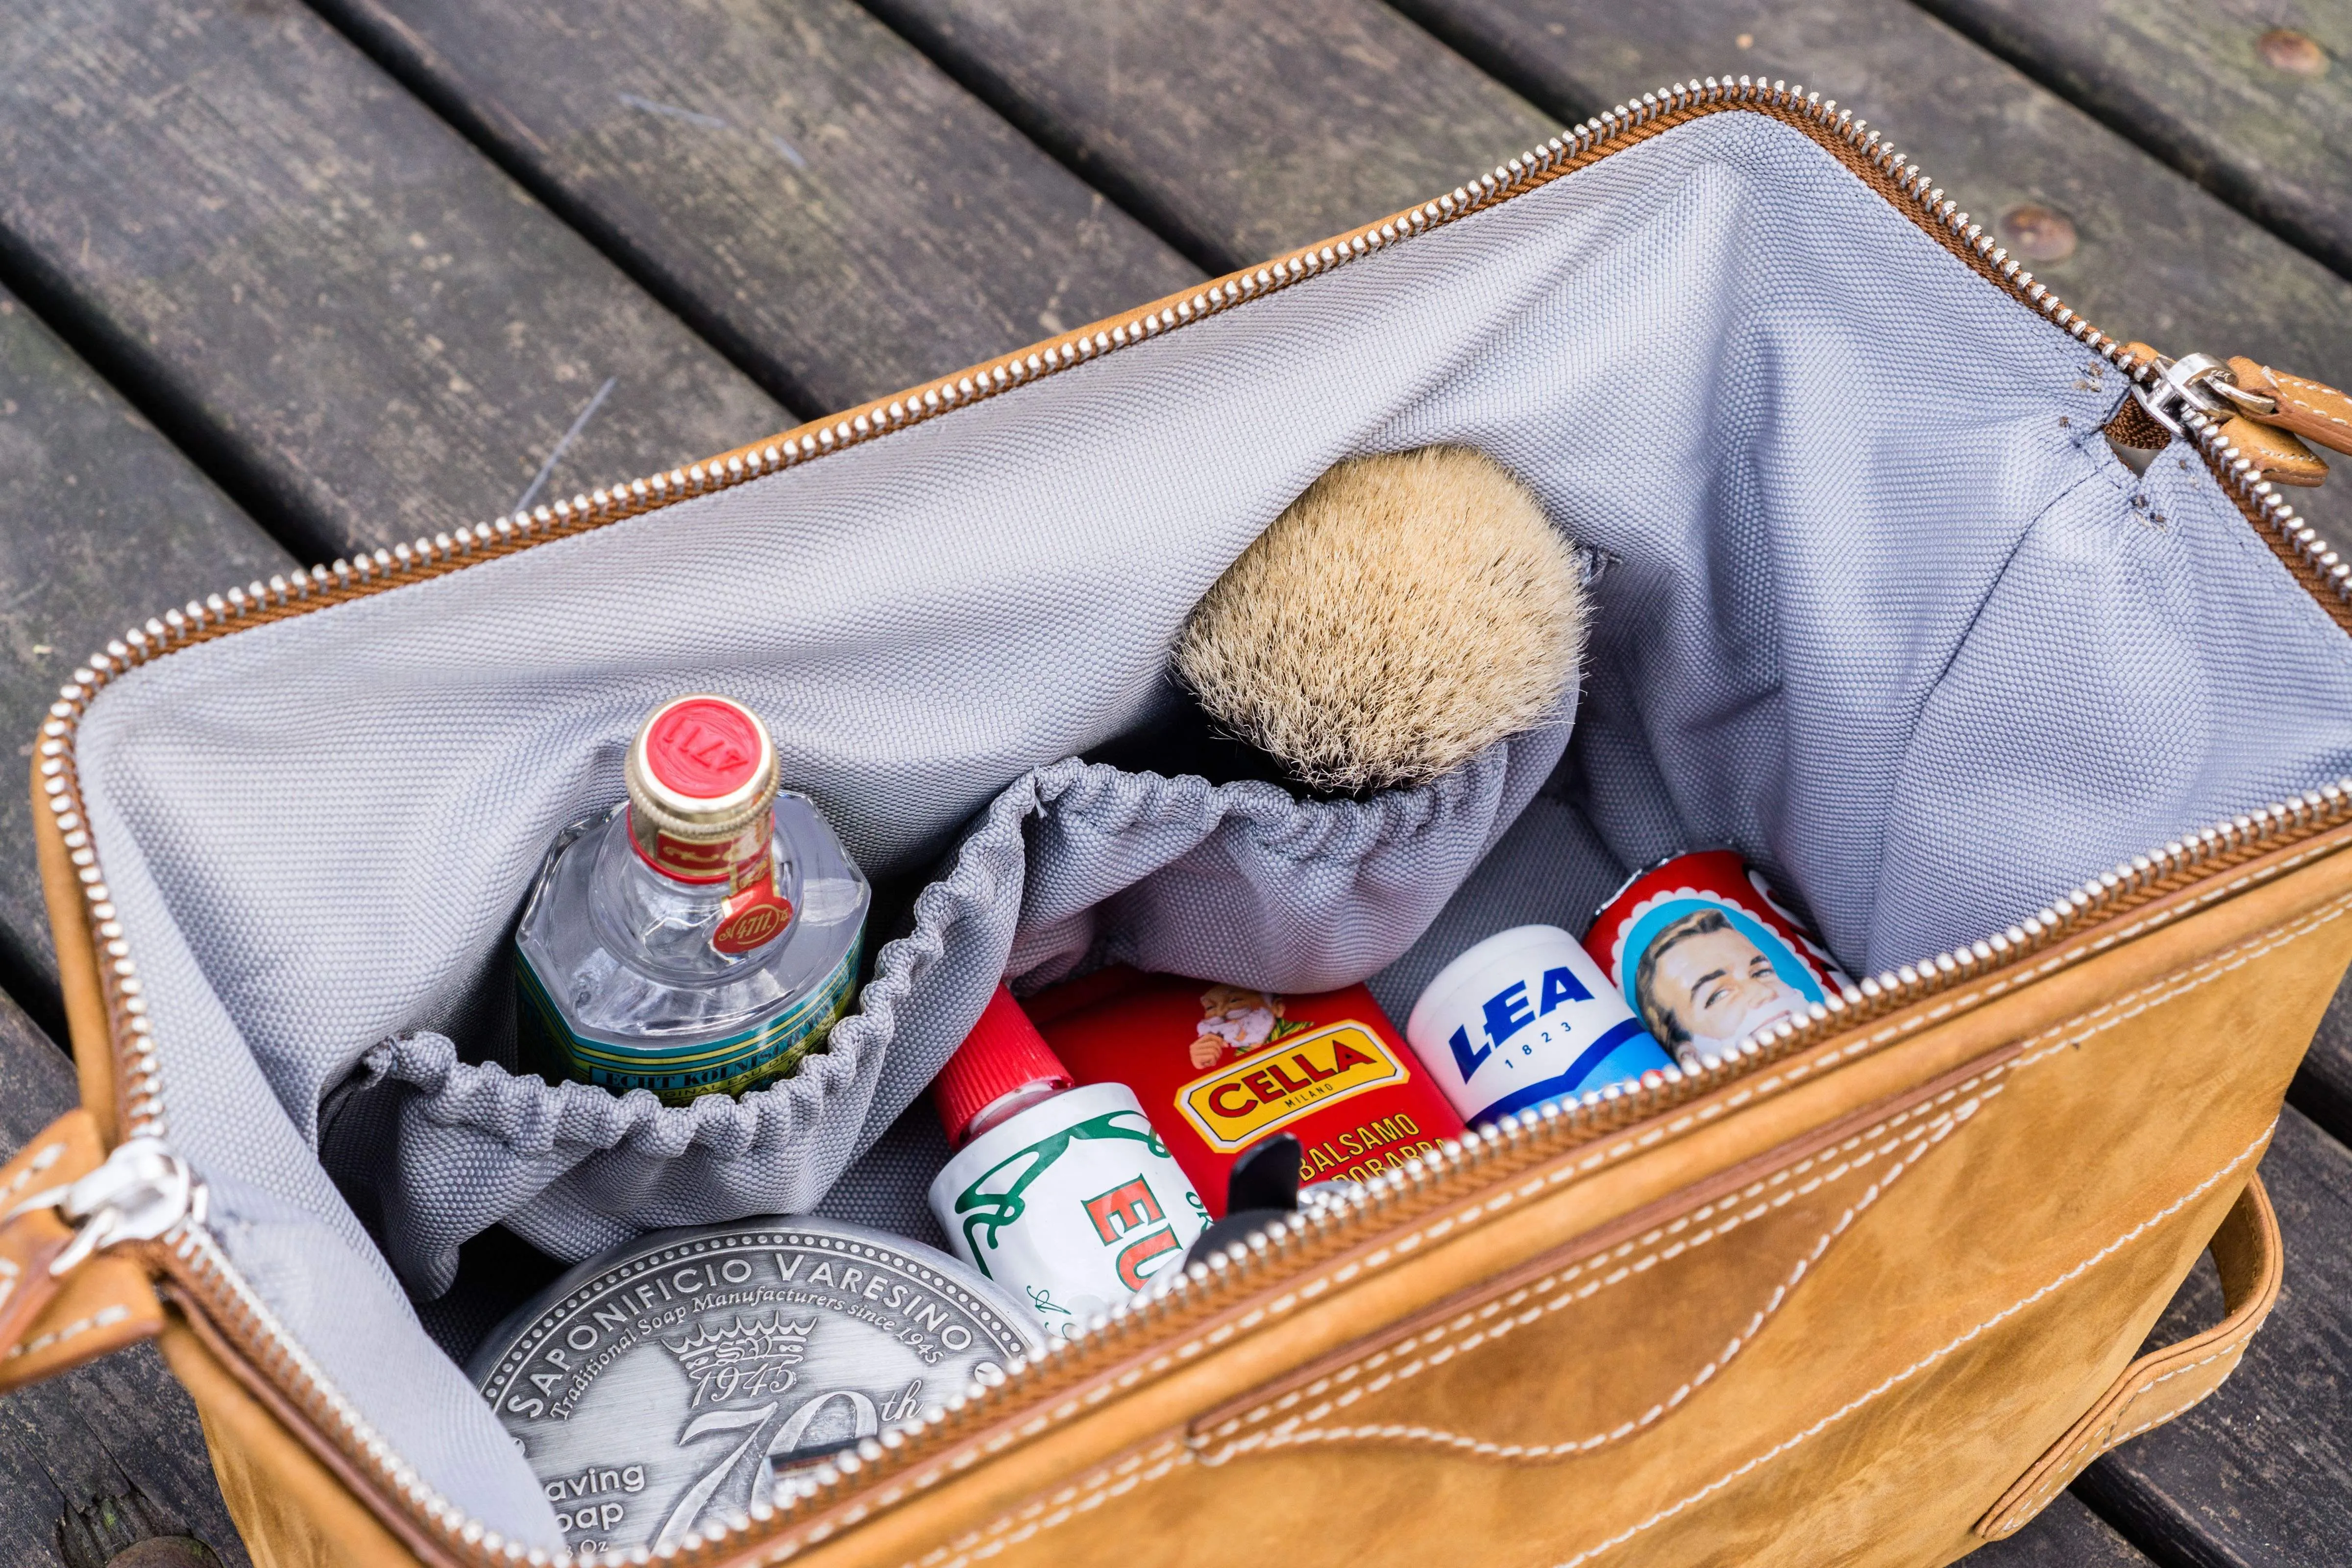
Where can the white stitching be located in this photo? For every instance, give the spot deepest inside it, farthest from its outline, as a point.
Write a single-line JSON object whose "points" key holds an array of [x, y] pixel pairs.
{"points": [[1744, 1200], [1307, 1289], [1099, 1492], [105, 1317], [1928, 1360], [2101, 1437], [2191, 1404], [2074, 1461], [2155, 993], [2214, 966], [43, 1158], [2051, 964], [48, 1156], [1129, 1473], [2043, 967], [1471, 1336], [2312, 407], [2172, 987]]}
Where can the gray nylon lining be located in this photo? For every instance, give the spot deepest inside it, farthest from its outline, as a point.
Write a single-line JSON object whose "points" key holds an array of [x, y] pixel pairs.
{"points": [[1242, 882], [1884, 614]]}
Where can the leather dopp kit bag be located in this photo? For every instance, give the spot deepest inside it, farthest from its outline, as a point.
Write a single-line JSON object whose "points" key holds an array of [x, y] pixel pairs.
{"points": [[2048, 745]]}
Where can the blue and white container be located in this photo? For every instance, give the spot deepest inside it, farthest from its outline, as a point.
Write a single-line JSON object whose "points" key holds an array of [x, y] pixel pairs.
{"points": [[1523, 1017]]}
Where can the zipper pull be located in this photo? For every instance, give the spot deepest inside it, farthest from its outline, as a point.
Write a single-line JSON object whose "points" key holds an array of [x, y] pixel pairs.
{"points": [[136, 1193], [140, 1190], [2267, 415]]}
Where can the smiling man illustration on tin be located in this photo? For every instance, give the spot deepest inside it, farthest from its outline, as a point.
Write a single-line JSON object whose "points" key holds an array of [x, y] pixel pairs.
{"points": [[1703, 982], [1706, 954]]}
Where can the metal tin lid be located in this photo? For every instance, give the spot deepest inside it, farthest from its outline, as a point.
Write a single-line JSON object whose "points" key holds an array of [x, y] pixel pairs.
{"points": [[671, 1380]]}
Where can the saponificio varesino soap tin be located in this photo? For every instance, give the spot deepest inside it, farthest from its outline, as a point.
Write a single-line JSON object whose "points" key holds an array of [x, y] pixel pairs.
{"points": [[669, 1380]]}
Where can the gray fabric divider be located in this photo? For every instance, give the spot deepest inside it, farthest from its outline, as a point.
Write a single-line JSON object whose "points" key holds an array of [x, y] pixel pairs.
{"points": [[447, 1148], [1549, 868], [1247, 884], [1885, 614], [1242, 880], [889, 1185]]}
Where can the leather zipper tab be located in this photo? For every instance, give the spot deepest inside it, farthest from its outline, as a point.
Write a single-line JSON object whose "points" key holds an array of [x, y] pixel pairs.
{"points": [[2266, 415], [33, 1236], [69, 1292], [2282, 460], [2310, 409]]}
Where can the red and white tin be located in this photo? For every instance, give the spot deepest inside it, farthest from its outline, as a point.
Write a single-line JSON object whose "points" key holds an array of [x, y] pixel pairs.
{"points": [[1706, 956]]}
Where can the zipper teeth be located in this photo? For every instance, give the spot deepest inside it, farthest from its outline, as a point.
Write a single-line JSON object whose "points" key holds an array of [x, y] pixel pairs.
{"points": [[1484, 1157], [207, 1272]]}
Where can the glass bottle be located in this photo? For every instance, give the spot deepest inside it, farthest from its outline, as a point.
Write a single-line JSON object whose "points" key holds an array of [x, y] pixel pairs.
{"points": [[700, 936]]}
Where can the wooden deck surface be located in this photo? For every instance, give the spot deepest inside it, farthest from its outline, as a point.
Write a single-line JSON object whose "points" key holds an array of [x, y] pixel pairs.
{"points": [[281, 280]]}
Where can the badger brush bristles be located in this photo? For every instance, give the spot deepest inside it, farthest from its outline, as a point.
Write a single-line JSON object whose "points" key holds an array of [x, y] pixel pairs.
{"points": [[1406, 613]]}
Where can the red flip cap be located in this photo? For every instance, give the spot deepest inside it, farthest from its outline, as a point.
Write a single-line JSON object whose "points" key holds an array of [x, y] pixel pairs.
{"points": [[1005, 1052]]}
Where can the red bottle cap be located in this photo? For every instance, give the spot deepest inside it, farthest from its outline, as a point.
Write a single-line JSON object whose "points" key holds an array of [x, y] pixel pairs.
{"points": [[701, 776], [1005, 1052], [707, 753]]}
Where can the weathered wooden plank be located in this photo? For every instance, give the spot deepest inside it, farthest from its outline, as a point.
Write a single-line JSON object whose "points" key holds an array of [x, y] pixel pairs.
{"points": [[115, 1427], [791, 177], [2065, 1535], [101, 523], [1234, 129], [355, 320], [2323, 1088], [2136, 248], [2245, 97], [2261, 1473]]}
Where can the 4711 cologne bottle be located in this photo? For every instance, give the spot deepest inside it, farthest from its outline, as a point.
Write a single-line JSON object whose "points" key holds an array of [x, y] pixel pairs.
{"points": [[701, 936]]}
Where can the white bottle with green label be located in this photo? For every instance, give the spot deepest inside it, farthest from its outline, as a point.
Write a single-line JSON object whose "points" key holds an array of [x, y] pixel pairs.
{"points": [[1065, 1196]]}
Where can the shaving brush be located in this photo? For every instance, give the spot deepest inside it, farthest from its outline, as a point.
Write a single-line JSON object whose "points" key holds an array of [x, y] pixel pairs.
{"points": [[1404, 613]]}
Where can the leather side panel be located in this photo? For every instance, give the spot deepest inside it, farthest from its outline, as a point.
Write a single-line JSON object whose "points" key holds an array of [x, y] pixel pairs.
{"points": [[1961, 1321], [2252, 1256], [1698, 1285], [290, 1511]]}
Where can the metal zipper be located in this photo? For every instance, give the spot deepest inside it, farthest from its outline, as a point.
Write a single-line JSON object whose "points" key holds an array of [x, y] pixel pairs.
{"points": [[205, 1277], [139, 1191]]}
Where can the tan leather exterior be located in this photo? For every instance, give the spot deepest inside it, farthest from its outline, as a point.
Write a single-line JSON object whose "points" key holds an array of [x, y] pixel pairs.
{"points": [[2252, 1258], [1829, 1316], [93, 1051], [47, 1324], [290, 1509], [2282, 458]]}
